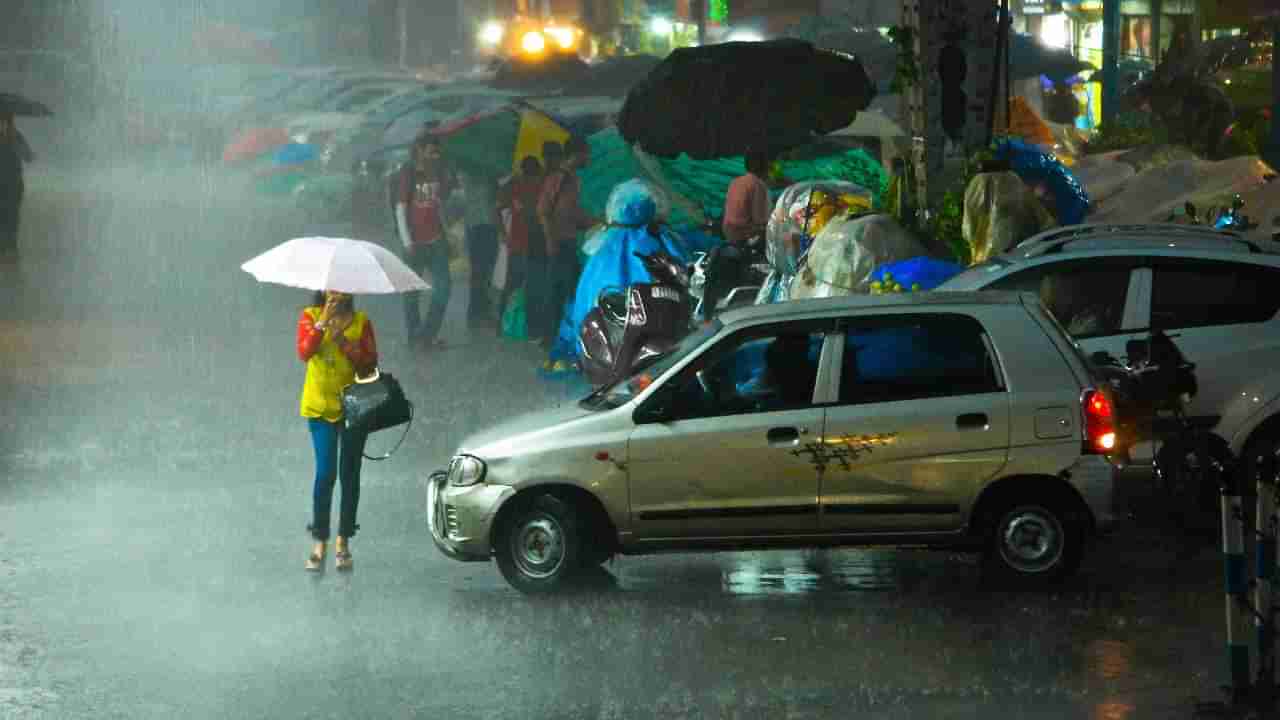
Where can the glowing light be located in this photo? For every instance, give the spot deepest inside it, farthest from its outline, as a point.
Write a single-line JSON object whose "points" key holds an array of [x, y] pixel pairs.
{"points": [[491, 32], [533, 42], [745, 36], [661, 26], [562, 35]]}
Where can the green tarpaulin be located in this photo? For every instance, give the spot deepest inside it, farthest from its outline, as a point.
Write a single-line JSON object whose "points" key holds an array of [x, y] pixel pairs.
{"points": [[698, 186]]}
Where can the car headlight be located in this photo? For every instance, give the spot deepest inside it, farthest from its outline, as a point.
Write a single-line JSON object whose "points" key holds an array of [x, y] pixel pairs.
{"points": [[465, 471]]}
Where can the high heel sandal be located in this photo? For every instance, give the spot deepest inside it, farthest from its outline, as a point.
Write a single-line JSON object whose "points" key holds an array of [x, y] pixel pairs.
{"points": [[315, 562], [342, 556]]}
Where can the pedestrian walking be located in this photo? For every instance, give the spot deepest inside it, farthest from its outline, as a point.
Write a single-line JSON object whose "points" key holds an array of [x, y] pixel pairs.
{"points": [[14, 151], [480, 211], [520, 197], [337, 343], [561, 217], [426, 188]]}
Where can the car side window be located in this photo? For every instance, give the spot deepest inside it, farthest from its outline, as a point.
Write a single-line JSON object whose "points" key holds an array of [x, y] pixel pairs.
{"points": [[1087, 297], [752, 371], [912, 357], [1197, 293]]}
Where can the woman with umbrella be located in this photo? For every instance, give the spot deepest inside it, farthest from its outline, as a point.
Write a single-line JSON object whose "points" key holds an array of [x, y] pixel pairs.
{"points": [[14, 151], [337, 343]]}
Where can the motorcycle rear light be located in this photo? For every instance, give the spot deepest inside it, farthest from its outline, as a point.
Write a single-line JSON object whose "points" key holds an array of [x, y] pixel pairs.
{"points": [[1099, 423]]}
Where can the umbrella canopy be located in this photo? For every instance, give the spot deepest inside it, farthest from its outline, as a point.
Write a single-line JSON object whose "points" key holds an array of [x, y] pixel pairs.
{"points": [[18, 105], [493, 143], [722, 100], [324, 263]]}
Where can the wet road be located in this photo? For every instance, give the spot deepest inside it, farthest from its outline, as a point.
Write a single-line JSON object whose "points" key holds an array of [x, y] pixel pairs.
{"points": [[154, 488]]}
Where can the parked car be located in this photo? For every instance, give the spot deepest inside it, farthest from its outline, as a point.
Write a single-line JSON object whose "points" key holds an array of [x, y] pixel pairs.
{"points": [[1212, 291], [954, 420]]}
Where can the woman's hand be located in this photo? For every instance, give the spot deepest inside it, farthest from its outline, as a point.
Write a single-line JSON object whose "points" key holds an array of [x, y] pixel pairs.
{"points": [[337, 325]]}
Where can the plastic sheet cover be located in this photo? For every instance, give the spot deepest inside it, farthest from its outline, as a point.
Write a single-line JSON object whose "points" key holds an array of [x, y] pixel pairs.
{"points": [[1037, 167], [802, 212], [632, 206], [846, 253], [1000, 211]]}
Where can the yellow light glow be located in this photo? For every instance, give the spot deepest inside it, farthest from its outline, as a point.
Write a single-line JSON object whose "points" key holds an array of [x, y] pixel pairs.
{"points": [[533, 42], [1107, 441], [562, 35]]}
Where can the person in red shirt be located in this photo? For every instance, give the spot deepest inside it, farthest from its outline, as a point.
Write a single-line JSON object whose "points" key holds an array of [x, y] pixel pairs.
{"points": [[426, 187], [520, 196], [561, 217], [746, 204]]}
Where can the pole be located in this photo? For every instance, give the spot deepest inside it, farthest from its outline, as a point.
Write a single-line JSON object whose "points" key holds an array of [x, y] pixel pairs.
{"points": [[1006, 31], [402, 28], [994, 90], [1110, 59], [1237, 591], [1273, 145], [699, 10], [1157, 19]]}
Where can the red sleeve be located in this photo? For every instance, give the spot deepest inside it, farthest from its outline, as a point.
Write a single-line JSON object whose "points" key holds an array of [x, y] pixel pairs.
{"points": [[363, 353], [309, 338]]}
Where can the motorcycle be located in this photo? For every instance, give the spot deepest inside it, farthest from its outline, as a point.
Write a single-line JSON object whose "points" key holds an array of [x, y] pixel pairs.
{"points": [[1150, 391], [629, 327], [1225, 218]]}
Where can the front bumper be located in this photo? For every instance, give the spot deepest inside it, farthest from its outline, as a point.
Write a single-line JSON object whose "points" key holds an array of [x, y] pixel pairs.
{"points": [[460, 519], [1094, 476]]}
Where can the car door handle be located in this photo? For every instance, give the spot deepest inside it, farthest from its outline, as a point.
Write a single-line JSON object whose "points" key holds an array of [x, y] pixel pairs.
{"points": [[785, 436], [972, 421]]}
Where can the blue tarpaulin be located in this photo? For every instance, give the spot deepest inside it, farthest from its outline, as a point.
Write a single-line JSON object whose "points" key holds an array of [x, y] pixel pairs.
{"points": [[927, 272], [1036, 166]]}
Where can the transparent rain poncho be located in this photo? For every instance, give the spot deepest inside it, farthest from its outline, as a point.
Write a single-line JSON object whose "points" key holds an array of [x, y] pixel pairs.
{"points": [[802, 212], [847, 252]]}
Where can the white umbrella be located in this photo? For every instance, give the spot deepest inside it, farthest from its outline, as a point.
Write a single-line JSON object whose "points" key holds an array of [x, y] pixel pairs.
{"points": [[324, 263]]}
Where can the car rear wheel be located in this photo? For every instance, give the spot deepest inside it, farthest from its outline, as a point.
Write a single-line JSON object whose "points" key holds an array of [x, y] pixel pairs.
{"points": [[539, 545], [1035, 541]]}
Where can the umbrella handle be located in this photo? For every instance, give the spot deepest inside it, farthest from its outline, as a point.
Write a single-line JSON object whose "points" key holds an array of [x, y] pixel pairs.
{"points": [[371, 378]]}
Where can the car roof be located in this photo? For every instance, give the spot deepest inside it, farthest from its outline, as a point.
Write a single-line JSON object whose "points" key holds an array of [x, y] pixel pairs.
{"points": [[1096, 237], [818, 307]]}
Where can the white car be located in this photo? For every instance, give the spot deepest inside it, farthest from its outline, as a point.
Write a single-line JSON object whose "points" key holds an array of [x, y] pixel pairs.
{"points": [[956, 420], [1215, 293]]}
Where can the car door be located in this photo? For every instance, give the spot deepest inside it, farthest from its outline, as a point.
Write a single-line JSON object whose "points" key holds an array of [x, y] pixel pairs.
{"points": [[1221, 315], [721, 448], [920, 422], [1099, 300]]}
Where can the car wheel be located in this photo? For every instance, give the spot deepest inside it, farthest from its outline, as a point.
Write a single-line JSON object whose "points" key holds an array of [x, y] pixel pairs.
{"points": [[1035, 541], [539, 545]]}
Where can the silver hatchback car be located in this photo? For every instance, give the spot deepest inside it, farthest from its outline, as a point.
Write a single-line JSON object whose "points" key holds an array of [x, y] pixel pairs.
{"points": [[956, 420]]}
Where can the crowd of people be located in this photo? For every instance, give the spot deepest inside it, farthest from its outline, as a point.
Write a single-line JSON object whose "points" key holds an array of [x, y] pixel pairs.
{"points": [[544, 216]]}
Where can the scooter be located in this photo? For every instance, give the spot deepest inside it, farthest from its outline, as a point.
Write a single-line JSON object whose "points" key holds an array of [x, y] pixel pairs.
{"points": [[727, 277], [629, 327]]}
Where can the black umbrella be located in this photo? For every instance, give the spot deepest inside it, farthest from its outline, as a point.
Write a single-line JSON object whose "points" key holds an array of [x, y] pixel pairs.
{"points": [[722, 100], [18, 105]]}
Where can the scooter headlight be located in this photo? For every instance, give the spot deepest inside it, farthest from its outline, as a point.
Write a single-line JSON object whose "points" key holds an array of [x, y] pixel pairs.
{"points": [[465, 471]]}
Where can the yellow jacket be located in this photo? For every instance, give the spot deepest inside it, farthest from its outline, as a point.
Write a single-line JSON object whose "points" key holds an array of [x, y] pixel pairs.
{"points": [[329, 368]]}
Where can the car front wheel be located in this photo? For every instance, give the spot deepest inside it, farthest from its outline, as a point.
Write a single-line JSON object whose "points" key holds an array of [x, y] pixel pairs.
{"points": [[1035, 542], [538, 545]]}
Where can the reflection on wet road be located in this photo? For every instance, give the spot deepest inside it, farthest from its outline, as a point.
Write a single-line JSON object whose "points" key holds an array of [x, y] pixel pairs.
{"points": [[154, 487]]}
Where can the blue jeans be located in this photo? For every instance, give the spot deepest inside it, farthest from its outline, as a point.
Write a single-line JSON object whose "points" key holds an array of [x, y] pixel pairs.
{"points": [[482, 244], [327, 438], [432, 260]]}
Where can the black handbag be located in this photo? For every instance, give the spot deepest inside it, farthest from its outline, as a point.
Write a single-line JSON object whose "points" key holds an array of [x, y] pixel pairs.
{"points": [[376, 403]]}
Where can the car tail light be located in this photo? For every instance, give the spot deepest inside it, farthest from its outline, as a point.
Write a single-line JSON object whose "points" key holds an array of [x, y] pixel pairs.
{"points": [[1099, 423]]}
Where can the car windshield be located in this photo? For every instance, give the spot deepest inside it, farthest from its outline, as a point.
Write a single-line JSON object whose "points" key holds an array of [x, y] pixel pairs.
{"points": [[619, 393]]}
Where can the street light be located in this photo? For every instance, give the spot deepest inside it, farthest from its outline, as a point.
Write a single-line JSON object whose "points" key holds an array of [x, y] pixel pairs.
{"points": [[491, 32], [562, 35], [533, 42], [661, 26]]}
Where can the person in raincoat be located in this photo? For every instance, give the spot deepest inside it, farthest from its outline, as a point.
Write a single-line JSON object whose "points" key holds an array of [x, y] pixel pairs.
{"points": [[14, 151], [337, 343]]}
